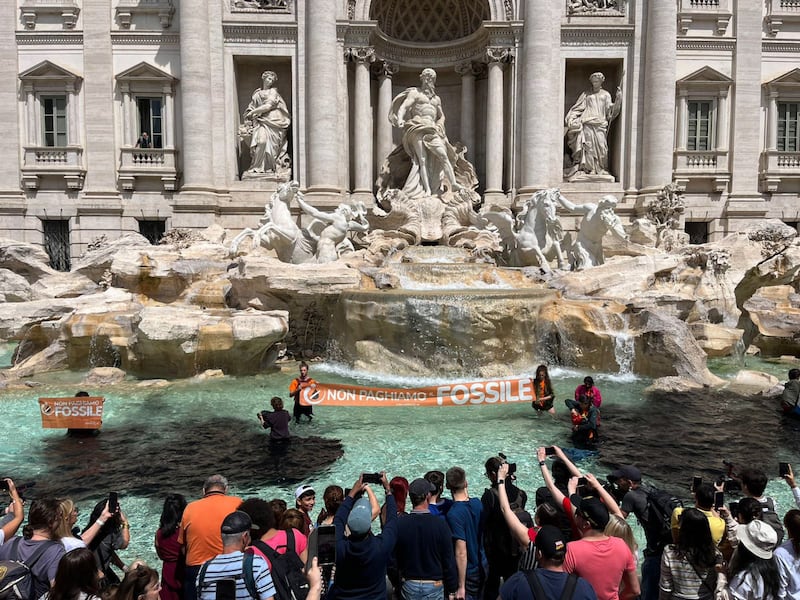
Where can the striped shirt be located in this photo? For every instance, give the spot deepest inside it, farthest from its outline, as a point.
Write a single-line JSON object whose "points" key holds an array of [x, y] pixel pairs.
{"points": [[229, 566]]}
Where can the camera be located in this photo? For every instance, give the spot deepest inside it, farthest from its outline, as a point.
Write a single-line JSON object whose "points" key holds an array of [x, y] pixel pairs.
{"points": [[512, 467], [612, 488]]}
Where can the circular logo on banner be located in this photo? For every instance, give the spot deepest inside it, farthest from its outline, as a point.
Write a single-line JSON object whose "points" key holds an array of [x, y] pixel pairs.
{"points": [[46, 408], [311, 395]]}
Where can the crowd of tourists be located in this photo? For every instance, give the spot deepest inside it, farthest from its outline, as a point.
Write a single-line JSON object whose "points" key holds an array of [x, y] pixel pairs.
{"points": [[430, 539]]}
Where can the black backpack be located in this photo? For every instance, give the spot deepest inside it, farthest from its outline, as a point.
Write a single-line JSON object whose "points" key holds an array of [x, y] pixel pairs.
{"points": [[771, 518], [538, 591], [17, 581], [497, 539], [658, 519], [246, 575], [288, 571]]}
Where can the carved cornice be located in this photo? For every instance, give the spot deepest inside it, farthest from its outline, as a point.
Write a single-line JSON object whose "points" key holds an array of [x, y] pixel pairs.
{"points": [[144, 39], [584, 36], [431, 55], [706, 44], [260, 34], [357, 33], [783, 46], [49, 39]]}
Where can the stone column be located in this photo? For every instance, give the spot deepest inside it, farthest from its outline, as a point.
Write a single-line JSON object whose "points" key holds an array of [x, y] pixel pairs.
{"points": [[30, 115], [541, 117], [497, 57], [126, 114], [362, 131], [746, 105], [772, 121], [722, 121], [169, 117], [659, 94], [384, 71], [72, 116], [323, 159], [98, 91], [467, 129], [196, 114]]}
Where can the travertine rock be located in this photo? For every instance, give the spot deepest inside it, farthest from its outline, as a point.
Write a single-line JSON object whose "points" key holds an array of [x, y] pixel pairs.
{"points": [[716, 340], [775, 313], [14, 288], [26, 260], [103, 376]]}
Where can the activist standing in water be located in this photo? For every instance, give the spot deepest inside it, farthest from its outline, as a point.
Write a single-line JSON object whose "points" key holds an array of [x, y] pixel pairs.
{"points": [[543, 390], [295, 388]]}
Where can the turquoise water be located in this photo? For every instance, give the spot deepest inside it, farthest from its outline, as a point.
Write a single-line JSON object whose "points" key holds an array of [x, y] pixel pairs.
{"points": [[182, 426]]}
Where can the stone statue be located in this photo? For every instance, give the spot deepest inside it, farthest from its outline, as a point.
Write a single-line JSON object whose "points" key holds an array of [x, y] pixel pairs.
{"points": [[535, 237], [332, 240], [587, 129], [266, 121], [598, 219], [426, 158], [590, 6], [279, 231]]}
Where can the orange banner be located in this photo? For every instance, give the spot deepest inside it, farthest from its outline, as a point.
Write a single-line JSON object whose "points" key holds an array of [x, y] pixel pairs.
{"points": [[449, 394], [79, 412]]}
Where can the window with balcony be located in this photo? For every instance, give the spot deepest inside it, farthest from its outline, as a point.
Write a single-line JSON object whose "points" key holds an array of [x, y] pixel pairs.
{"points": [[148, 100], [780, 162], [52, 149], [701, 153]]}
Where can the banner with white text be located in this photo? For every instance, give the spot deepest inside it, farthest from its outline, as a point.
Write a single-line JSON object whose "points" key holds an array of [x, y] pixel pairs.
{"points": [[497, 391], [75, 412]]}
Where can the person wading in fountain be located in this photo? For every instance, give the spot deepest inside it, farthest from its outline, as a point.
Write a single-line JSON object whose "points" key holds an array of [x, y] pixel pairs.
{"points": [[295, 389]]}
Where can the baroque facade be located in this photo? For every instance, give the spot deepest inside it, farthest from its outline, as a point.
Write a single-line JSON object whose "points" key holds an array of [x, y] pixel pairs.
{"points": [[709, 91]]}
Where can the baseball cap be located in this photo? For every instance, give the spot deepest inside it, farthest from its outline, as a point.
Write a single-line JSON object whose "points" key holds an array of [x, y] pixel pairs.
{"points": [[360, 519], [550, 542], [236, 522], [627, 472], [758, 537], [421, 487], [592, 509], [303, 490]]}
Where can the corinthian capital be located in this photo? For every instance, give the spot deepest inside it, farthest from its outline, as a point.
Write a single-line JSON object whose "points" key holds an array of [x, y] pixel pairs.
{"points": [[360, 54], [384, 68], [501, 54]]}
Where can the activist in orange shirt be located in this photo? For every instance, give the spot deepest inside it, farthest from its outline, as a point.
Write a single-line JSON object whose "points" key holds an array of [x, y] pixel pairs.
{"points": [[298, 385]]}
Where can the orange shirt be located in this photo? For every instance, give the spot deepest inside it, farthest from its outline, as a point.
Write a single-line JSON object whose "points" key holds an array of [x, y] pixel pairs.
{"points": [[296, 383], [200, 526]]}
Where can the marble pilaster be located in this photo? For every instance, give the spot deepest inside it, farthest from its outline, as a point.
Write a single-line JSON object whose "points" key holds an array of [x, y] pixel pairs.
{"points": [[541, 115], [659, 95], [10, 153], [196, 101], [362, 134], [322, 102], [98, 90]]}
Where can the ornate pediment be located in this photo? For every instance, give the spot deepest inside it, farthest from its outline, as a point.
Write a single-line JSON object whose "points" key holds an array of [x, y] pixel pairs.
{"points": [[48, 72], [144, 72], [705, 75], [792, 78]]}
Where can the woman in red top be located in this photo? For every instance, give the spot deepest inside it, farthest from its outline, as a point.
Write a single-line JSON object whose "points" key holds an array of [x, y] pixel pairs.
{"points": [[168, 548]]}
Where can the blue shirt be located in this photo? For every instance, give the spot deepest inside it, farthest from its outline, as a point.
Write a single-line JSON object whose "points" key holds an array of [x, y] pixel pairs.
{"points": [[464, 519]]}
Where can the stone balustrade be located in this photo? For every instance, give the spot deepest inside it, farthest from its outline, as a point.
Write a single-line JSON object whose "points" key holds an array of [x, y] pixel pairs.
{"points": [[42, 161], [128, 9], [31, 9], [781, 13], [694, 11], [157, 163], [697, 164], [778, 166]]}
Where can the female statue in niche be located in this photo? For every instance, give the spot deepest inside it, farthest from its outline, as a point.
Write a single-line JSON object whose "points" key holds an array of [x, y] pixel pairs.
{"points": [[267, 120], [587, 129]]}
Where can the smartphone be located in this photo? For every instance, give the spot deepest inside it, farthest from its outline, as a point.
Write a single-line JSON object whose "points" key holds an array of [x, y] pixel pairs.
{"points": [[113, 502], [719, 500], [734, 508], [3, 485], [371, 478], [549, 451], [226, 589], [696, 481], [326, 545], [783, 469]]}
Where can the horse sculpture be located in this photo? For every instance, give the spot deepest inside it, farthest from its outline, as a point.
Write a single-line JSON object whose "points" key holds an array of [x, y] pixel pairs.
{"points": [[279, 231], [535, 236]]}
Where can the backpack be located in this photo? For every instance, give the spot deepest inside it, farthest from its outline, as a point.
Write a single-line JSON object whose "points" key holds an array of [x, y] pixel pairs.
{"points": [[658, 515], [246, 574], [771, 518], [17, 581], [288, 571], [538, 591], [498, 541]]}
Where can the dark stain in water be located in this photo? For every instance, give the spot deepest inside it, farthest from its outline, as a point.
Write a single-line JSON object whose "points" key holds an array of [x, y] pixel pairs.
{"points": [[174, 457], [673, 437]]}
